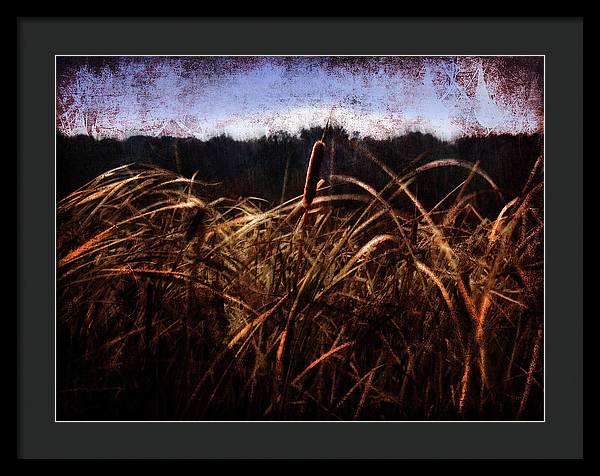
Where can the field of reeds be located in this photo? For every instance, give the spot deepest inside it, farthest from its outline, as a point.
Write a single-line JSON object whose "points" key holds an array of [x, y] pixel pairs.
{"points": [[349, 302]]}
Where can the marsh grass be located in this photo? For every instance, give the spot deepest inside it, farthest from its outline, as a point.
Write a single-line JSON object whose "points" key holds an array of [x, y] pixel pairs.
{"points": [[173, 305]]}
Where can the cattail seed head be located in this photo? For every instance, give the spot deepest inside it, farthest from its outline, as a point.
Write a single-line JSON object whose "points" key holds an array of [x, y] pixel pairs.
{"points": [[313, 172]]}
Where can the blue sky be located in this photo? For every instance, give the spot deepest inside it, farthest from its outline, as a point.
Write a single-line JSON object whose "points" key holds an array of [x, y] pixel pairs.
{"points": [[247, 97]]}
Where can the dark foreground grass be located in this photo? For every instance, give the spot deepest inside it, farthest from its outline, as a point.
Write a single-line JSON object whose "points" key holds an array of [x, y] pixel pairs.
{"points": [[172, 305]]}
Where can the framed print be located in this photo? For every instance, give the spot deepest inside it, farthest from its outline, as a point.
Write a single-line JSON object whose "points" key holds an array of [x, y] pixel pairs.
{"points": [[343, 243], [300, 238]]}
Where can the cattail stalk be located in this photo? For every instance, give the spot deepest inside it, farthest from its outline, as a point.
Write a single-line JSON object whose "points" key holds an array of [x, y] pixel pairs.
{"points": [[310, 191], [312, 175], [285, 178]]}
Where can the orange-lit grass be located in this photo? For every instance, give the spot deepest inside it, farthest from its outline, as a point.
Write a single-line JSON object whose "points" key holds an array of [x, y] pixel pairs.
{"points": [[386, 305]]}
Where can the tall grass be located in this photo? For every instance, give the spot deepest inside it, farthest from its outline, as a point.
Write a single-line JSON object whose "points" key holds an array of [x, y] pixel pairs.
{"points": [[331, 306]]}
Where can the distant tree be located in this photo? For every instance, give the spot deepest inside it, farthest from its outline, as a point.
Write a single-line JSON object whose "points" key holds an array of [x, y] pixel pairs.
{"points": [[274, 167]]}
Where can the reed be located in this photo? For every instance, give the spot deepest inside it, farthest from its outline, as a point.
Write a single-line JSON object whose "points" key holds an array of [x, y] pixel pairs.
{"points": [[176, 303], [313, 173]]}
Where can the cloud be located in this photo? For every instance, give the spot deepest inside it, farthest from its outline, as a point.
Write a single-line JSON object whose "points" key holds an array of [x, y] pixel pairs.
{"points": [[251, 97]]}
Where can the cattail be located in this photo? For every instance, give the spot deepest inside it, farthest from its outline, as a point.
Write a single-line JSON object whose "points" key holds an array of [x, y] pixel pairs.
{"points": [[313, 172]]}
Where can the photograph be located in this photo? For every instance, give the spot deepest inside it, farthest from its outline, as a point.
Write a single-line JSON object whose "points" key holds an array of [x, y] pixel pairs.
{"points": [[299, 238]]}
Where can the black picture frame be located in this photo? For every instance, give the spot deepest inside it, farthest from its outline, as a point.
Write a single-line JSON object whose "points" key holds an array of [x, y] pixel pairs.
{"points": [[559, 40]]}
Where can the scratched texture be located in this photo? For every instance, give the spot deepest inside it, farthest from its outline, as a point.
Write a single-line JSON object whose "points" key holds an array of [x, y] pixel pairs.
{"points": [[246, 97]]}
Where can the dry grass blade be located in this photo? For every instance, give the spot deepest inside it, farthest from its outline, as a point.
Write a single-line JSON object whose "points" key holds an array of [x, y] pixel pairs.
{"points": [[319, 360], [530, 373]]}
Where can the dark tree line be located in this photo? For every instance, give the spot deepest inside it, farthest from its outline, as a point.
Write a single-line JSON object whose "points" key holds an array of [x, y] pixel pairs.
{"points": [[274, 167]]}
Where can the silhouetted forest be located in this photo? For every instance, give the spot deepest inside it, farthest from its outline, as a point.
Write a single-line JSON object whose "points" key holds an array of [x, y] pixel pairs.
{"points": [[274, 167]]}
